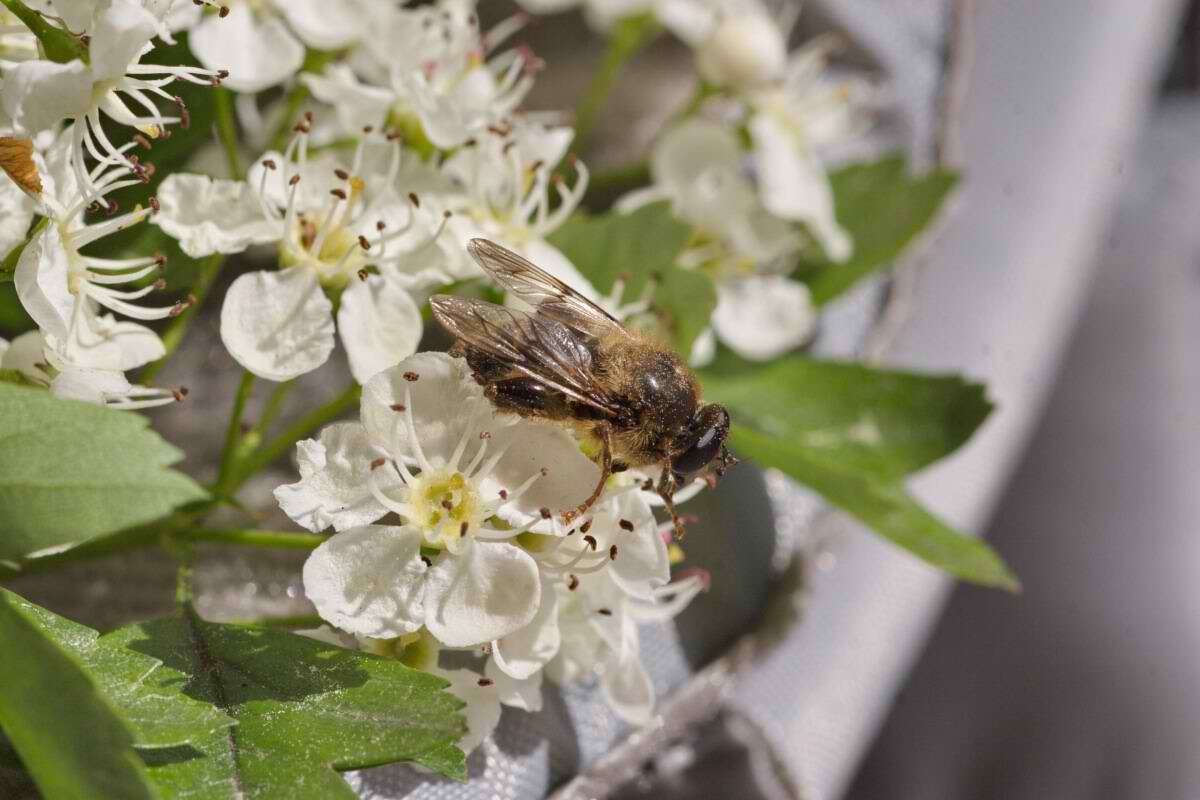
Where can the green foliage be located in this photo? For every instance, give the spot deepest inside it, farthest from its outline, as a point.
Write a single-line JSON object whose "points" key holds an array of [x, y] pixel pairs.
{"points": [[640, 247], [303, 710], [852, 434], [883, 208], [70, 472], [68, 734]]}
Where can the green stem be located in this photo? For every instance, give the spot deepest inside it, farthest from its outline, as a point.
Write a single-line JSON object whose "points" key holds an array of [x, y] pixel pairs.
{"points": [[280, 445], [628, 37], [233, 436], [227, 130], [273, 407], [283, 540], [60, 46], [175, 331]]}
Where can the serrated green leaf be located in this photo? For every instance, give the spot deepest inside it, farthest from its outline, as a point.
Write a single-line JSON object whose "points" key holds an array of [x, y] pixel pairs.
{"points": [[885, 507], [71, 471], [156, 718], [639, 247], [304, 709], [881, 423], [69, 736], [883, 208]]}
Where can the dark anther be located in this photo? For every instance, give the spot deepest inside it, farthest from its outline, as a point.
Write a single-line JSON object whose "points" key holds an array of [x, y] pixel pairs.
{"points": [[160, 284], [338, 193], [399, 407], [626, 525], [411, 376], [544, 472], [618, 467], [604, 611], [223, 12], [462, 529], [428, 563], [142, 141], [292, 181], [377, 463], [414, 199], [591, 540], [269, 163], [379, 226], [612, 553], [485, 681], [545, 512], [342, 174], [363, 243], [485, 435], [503, 494], [185, 119], [585, 527], [572, 582], [154, 206], [363, 274]]}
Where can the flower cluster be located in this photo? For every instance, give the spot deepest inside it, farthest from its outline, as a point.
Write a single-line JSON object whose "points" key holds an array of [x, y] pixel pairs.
{"points": [[749, 174], [402, 138], [478, 557]]}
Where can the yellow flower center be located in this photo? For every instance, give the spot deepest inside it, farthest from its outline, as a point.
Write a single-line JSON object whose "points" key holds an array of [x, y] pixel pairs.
{"points": [[447, 507]]}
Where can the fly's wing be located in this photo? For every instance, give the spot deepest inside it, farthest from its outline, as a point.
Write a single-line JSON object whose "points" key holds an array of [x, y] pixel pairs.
{"points": [[551, 297], [541, 348]]}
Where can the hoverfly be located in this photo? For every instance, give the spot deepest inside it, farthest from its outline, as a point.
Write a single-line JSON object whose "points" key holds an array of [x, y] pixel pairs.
{"points": [[568, 360]]}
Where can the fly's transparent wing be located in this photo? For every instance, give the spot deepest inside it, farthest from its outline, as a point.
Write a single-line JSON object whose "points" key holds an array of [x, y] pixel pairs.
{"points": [[551, 297], [541, 348]]}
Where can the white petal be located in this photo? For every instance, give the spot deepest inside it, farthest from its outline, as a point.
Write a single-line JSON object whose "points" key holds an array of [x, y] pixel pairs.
{"points": [[569, 478], [88, 385], [212, 216], [39, 94], [41, 282], [441, 398], [335, 476], [793, 185], [108, 344], [16, 212], [258, 50], [380, 325], [486, 593], [76, 13], [118, 34], [278, 325], [26, 354], [745, 50], [325, 24], [692, 22], [689, 148], [358, 105], [482, 709], [628, 690], [368, 581], [642, 563], [523, 653], [704, 349], [764, 316], [524, 694]]}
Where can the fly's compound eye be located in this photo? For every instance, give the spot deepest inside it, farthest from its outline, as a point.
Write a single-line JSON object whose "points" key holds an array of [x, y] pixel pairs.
{"points": [[709, 429]]}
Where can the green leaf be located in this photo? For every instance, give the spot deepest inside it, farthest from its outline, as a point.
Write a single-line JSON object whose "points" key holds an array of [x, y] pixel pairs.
{"points": [[303, 709], [852, 434], [640, 247], [155, 717], [883, 208], [69, 736], [884, 507], [71, 471], [882, 423]]}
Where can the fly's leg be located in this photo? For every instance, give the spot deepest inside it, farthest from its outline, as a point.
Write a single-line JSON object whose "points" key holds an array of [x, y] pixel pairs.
{"points": [[666, 490], [604, 433]]}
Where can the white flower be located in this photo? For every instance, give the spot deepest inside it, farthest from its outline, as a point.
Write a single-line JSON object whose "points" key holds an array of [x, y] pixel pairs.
{"points": [[31, 355], [437, 83], [699, 167], [598, 622], [505, 189], [261, 42], [743, 46], [331, 223], [791, 123], [65, 290], [432, 449], [39, 94]]}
